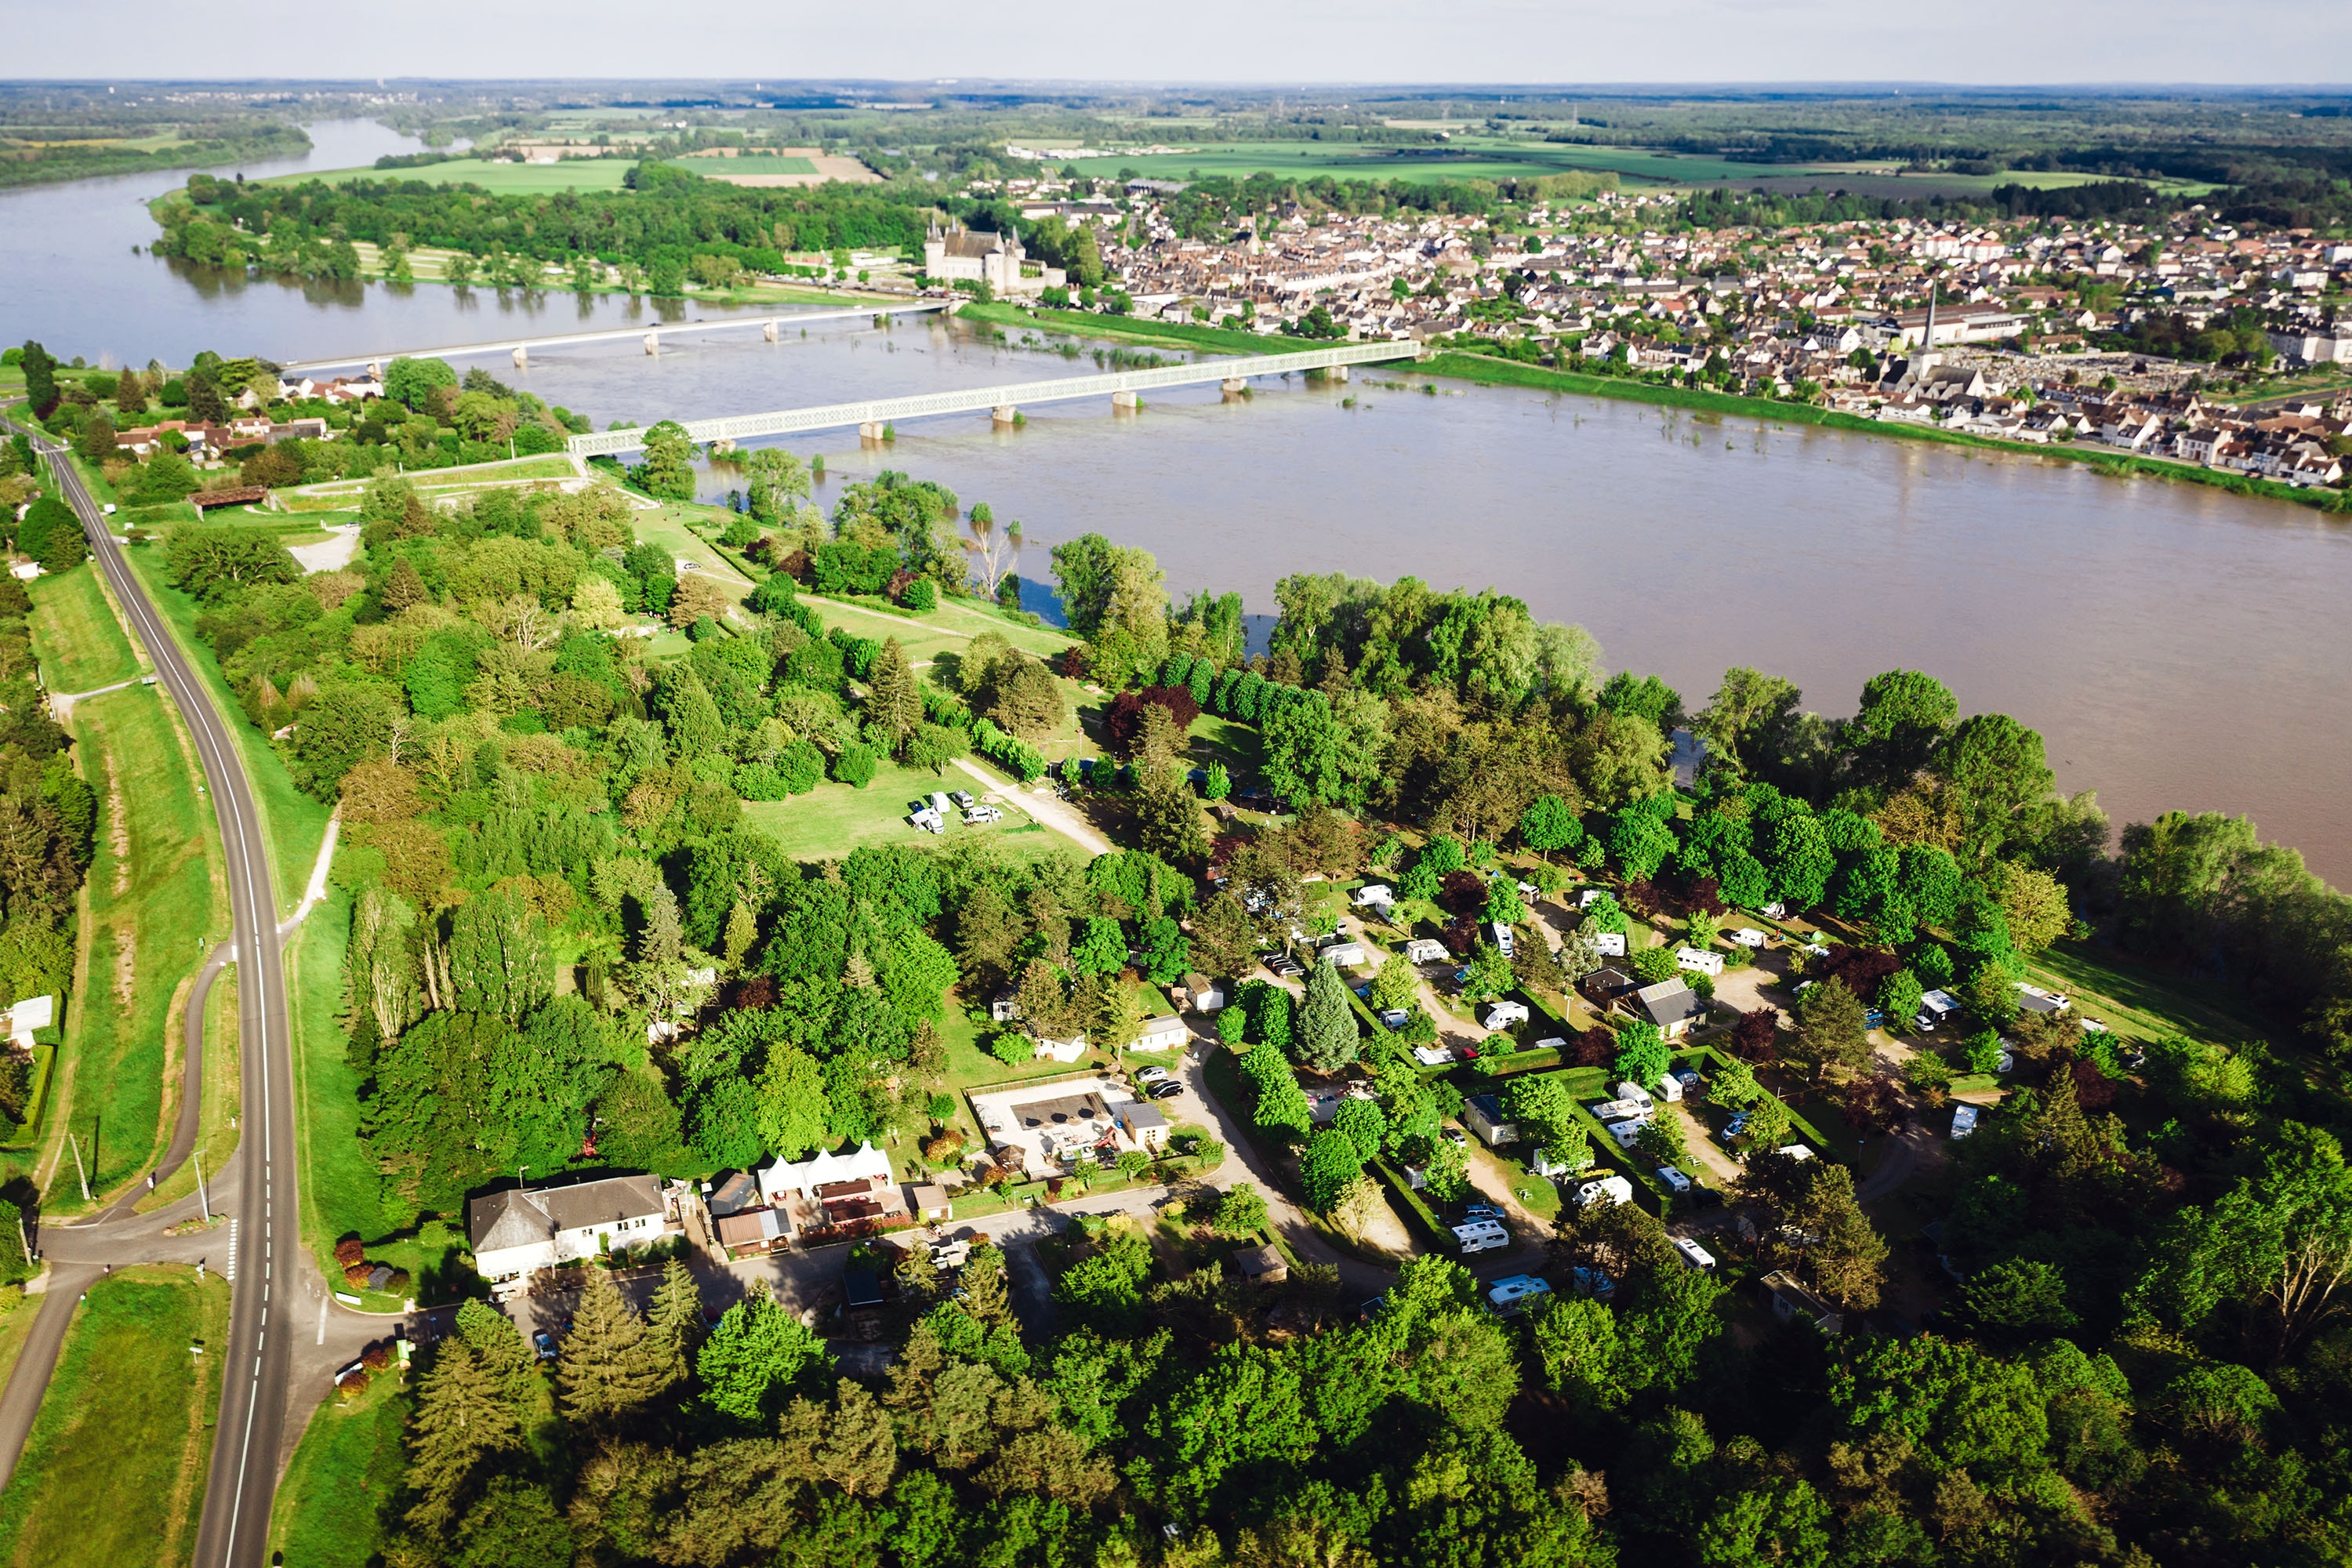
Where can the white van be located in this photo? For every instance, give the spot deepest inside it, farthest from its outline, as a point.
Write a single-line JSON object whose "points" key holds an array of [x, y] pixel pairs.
{"points": [[1694, 1255], [1608, 1189], [1482, 1235]]}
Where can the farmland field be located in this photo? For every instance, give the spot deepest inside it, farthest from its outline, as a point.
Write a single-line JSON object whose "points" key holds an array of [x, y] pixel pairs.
{"points": [[502, 179]]}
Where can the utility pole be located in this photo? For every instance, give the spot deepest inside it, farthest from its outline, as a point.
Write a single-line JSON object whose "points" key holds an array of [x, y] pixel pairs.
{"points": [[79, 1168], [205, 1201], [21, 1239]]}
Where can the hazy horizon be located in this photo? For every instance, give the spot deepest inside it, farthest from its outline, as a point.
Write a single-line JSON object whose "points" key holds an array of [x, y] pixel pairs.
{"points": [[2159, 43]]}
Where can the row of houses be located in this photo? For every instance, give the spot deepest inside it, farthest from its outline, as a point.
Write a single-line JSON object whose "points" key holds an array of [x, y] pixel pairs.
{"points": [[211, 439]]}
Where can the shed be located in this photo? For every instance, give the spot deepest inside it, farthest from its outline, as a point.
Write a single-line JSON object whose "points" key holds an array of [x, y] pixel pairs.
{"points": [[1791, 1302], [1262, 1265], [861, 1289], [929, 1201], [1671, 1006], [1208, 996]]}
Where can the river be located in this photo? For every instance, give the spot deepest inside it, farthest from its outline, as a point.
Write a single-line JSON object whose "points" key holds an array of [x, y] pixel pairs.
{"points": [[2177, 647]]}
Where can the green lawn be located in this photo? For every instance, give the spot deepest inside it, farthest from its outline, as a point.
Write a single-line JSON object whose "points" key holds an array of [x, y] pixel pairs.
{"points": [[340, 1182], [831, 820], [332, 495], [499, 179], [745, 163], [2142, 1004], [296, 822], [329, 1506], [81, 644], [154, 899], [114, 1469]]}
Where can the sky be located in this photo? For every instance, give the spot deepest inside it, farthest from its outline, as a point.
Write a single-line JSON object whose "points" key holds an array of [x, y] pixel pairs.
{"points": [[2242, 42]]}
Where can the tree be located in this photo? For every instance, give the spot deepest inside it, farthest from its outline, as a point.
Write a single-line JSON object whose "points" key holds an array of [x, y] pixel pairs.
{"points": [[1548, 825], [1829, 1032], [1748, 722], [1102, 950], [794, 1109], [776, 481], [465, 1412], [409, 382], [758, 1357], [667, 472], [1898, 998], [894, 703], [1326, 1024], [1364, 1123], [1904, 716], [1332, 1162], [1642, 1056], [499, 956], [1996, 769], [2033, 903], [609, 1369], [1848, 1260], [1238, 1211]]}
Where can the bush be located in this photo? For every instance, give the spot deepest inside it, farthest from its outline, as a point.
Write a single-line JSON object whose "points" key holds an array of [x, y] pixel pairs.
{"points": [[357, 1273], [854, 766], [349, 1251], [921, 595], [758, 780]]}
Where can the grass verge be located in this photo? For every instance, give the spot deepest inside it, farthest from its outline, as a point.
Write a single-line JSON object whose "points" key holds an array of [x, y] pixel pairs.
{"points": [[329, 1505], [295, 823], [154, 899], [114, 1469], [77, 634], [224, 1053]]}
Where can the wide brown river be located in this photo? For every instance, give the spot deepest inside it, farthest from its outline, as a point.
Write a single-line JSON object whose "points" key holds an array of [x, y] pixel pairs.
{"points": [[2177, 647]]}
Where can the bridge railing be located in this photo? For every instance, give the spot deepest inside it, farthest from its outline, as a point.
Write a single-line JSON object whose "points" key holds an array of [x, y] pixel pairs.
{"points": [[1063, 389]]}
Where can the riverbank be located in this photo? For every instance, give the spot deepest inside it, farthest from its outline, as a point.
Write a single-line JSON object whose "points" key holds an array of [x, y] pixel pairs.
{"points": [[1488, 371]]}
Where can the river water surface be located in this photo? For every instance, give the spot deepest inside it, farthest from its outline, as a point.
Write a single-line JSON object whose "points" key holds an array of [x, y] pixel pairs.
{"points": [[2177, 647]]}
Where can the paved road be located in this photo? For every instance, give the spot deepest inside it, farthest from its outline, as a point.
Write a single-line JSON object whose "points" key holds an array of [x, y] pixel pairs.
{"points": [[246, 1447]]}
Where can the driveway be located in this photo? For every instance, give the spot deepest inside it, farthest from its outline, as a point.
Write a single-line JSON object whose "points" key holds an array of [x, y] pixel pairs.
{"points": [[1039, 802]]}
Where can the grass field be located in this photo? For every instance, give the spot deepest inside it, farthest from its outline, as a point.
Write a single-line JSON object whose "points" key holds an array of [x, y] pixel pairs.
{"points": [[81, 644], [348, 1462], [1462, 158], [2142, 1004], [17, 1312], [114, 1469], [224, 1051], [434, 484], [831, 820], [500, 179], [295, 824], [339, 1180], [153, 898], [745, 163]]}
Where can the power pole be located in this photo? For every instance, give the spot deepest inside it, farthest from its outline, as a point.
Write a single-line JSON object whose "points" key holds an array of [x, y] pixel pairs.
{"points": [[79, 1168]]}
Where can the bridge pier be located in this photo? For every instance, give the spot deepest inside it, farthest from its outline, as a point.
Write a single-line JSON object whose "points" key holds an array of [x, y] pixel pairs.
{"points": [[1232, 384], [871, 430], [1127, 401], [522, 356], [653, 342], [1004, 413], [375, 370], [768, 331], [1338, 373]]}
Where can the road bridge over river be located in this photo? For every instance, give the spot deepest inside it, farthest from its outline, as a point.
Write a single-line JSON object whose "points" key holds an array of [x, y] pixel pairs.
{"points": [[519, 348], [1124, 387]]}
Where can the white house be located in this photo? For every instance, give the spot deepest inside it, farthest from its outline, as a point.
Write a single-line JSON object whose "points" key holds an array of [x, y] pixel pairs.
{"points": [[1503, 1014], [1167, 1032], [1068, 1050], [519, 1230], [1698, 960], [27, 1015], [1421, 949]]}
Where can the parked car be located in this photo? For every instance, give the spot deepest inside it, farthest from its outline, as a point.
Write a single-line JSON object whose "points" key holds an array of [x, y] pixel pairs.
{"points": [[543, 1344], [1690, 1080], [1396, 1017], [1152, 1075], [1964, 1121], [1455, 1136], [1167, 1089], [1481, 1211], [1736, 1126]]}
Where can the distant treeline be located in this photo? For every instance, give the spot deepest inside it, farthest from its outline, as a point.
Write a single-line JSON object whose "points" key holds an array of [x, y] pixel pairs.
{"points": [[31, 163]]}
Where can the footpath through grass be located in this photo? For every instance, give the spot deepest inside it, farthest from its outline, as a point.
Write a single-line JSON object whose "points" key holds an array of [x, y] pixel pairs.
{"points": [[330, 1512], [154, 898], [224, 1056], [115, 1470], [79, 642]]}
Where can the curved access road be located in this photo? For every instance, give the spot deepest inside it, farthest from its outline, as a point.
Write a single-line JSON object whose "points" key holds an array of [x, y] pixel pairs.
{"points": [[244, 1477]]}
